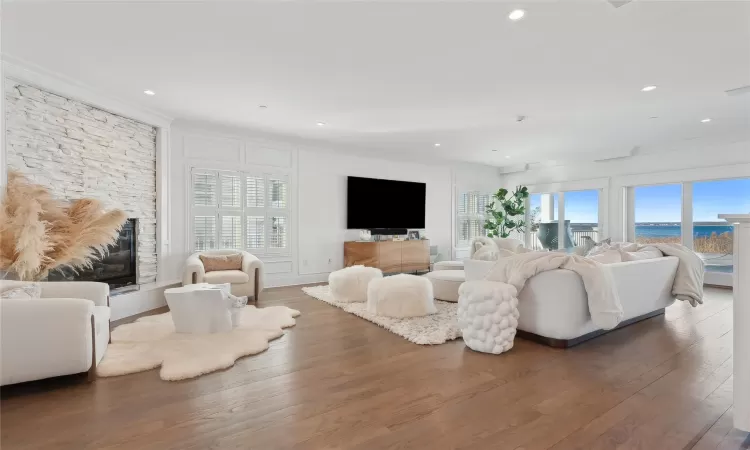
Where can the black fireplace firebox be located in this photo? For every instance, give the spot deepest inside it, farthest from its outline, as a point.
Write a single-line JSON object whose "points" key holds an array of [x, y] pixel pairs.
{"points": [[117, 268]]}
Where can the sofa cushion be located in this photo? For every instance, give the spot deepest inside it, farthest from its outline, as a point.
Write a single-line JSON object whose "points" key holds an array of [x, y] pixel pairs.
{"points": [[226, 276], [445, 284], [449, 265], [213, 263]]}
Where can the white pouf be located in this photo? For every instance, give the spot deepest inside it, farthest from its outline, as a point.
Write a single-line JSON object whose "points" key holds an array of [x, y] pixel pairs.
{"points": [[488, 315], [349, 284], [445, 284], [400, 296], [448, 265]]}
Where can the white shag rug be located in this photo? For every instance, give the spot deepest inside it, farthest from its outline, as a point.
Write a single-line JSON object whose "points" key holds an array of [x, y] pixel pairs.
{"points": [[151, 342], [427, 330]]}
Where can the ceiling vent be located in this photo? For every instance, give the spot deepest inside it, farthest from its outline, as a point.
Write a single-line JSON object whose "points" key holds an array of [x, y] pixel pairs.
{"points": [[739, 90], [618, 3]]}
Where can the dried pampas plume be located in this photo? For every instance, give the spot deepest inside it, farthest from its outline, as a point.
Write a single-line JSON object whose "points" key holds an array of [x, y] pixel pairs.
{"points": [[39, 233]]}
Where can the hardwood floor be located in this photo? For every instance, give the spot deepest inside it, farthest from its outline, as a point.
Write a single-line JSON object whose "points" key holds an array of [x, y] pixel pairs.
{"points": [[337, 381]]}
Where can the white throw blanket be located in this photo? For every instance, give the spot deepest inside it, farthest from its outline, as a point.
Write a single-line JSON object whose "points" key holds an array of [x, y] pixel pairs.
{"points": [[688, 281], [604, 303]]}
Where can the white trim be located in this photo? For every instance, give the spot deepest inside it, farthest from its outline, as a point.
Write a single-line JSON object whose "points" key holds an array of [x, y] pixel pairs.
{"points": [[24, 71], [578, 185], [686, 175], [163, 203], [686, 226], [561, 236]]}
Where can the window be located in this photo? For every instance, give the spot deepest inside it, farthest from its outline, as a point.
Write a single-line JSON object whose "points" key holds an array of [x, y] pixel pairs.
{"points": [[240, 211], [582, 212], [658, 214], [470, 216], [713, 237], [542, 229]]}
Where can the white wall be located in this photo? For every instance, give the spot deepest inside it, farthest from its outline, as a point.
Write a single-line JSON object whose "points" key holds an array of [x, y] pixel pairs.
{"points": [[318, 187]]}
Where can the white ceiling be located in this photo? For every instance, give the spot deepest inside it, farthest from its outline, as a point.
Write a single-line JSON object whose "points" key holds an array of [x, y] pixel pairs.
{"points": [[400, 77]]}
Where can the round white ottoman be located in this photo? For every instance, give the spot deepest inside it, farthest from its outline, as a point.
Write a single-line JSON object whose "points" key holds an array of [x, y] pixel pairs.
{"points": [[488, 315], [349, 284], [448, 265], [400, 296], [445, 284]]}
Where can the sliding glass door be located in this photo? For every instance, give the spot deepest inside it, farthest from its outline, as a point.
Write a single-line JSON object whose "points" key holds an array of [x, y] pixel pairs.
{"points": [[658, 214], [582, 216], [580, 212], [712, 238]]}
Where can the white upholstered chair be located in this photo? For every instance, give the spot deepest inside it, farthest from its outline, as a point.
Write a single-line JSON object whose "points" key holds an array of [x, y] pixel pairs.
{"points": [[66, 331], [246, 281]]}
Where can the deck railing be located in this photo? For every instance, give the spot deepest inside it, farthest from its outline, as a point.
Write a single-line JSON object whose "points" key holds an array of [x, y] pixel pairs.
{"points": [[578, 236]]}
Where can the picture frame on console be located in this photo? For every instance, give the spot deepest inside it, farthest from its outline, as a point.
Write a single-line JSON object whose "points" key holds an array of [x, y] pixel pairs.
{"points": [[414, 235]]}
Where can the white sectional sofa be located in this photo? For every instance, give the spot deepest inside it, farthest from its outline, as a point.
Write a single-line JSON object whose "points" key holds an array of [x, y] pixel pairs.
{"points": [[554, 304]]}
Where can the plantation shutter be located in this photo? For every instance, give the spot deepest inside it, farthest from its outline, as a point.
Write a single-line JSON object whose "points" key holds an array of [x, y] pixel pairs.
{"points": [[277, 193], [204, 189], [254, 191], [204, 232], [230, 191], [278, 233], [470, 216], [256, 233], [231, 232]]}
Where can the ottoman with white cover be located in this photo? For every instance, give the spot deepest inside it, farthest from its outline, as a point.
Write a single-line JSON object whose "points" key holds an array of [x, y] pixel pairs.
{"points": [[400, 296], [488, 315], [445, 284], [448, 265], [349, 284]]}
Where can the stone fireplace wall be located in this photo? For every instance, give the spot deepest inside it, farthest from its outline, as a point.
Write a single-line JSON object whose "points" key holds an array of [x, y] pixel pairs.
{"points": [[80, 151]]}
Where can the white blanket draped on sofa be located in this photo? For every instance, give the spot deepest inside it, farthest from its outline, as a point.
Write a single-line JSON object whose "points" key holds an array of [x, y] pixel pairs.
{"points": [[603, 302]]}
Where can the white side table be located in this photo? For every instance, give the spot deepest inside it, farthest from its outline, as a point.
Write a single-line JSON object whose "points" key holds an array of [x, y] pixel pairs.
{"points": [[201, 308], [741, 286]]}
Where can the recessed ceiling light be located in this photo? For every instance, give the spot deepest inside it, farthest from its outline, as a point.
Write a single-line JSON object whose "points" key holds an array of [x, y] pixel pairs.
{"points": [[706, 120], [654, 117], [507, 157], [262, 106], [648, 88], [437, 144], [516, 14], [494, 149], [149, 92], [321, 124]]}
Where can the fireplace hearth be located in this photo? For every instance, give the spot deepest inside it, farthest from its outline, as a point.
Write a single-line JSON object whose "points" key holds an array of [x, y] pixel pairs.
{"points": [[118, 268]]}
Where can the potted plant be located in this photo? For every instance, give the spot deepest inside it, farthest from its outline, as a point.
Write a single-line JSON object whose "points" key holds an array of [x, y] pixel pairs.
{"points": [[505, 213]]}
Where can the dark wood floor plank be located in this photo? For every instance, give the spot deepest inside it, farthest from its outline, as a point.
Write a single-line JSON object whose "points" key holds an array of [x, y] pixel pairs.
{"points": [[337, 381]]}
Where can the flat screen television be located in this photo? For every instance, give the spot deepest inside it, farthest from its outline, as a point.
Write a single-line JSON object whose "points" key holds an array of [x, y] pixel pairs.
{"points": [[373, 204]]}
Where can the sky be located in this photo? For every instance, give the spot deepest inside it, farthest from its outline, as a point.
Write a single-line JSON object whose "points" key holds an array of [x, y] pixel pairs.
{"points": [[663, 203]]}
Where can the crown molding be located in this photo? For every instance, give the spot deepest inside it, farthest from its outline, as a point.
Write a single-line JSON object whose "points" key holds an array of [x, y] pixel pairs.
{"points": [[20, 70]]}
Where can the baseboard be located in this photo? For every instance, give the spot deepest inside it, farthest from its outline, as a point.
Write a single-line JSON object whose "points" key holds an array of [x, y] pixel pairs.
{"points": [[133, 303], [291, 280]]}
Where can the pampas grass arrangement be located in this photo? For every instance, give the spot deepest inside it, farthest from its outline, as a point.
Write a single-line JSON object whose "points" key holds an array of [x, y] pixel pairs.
{"points": [[39, 233]]}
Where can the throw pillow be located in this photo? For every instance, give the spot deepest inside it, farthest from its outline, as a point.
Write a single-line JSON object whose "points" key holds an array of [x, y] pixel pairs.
{"points": [[642, 254], [213, 263], [592, 247], [607, 257], [508, 244], [27, 291], [481, 242]]}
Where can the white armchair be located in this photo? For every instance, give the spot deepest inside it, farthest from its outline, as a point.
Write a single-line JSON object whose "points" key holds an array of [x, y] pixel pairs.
{"points": [[247, 281], [66, 331]]}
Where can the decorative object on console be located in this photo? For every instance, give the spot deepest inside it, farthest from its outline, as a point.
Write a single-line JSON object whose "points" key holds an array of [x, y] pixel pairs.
{"points": [[151, 342], [400, 296], [349, 284], [414, 235], [503, 211], [433, 329], [245, 281], [41, 233], [365, 235]]}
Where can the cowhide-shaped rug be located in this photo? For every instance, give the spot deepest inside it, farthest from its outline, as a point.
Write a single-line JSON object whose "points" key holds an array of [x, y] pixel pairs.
{"points": [[151, 342]]}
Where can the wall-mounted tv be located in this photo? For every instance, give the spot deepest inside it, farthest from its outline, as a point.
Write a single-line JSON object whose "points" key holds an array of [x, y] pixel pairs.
{"points": [[377, 204]]}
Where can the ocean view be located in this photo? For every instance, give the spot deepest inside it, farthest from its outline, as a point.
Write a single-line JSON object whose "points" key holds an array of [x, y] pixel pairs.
{"points": [[654, 230]]}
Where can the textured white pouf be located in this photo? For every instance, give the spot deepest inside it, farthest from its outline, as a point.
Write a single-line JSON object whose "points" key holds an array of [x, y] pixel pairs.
{"points": [[488, 315], [445, 284], [349, 285], [448, 265], [400, 296]]}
